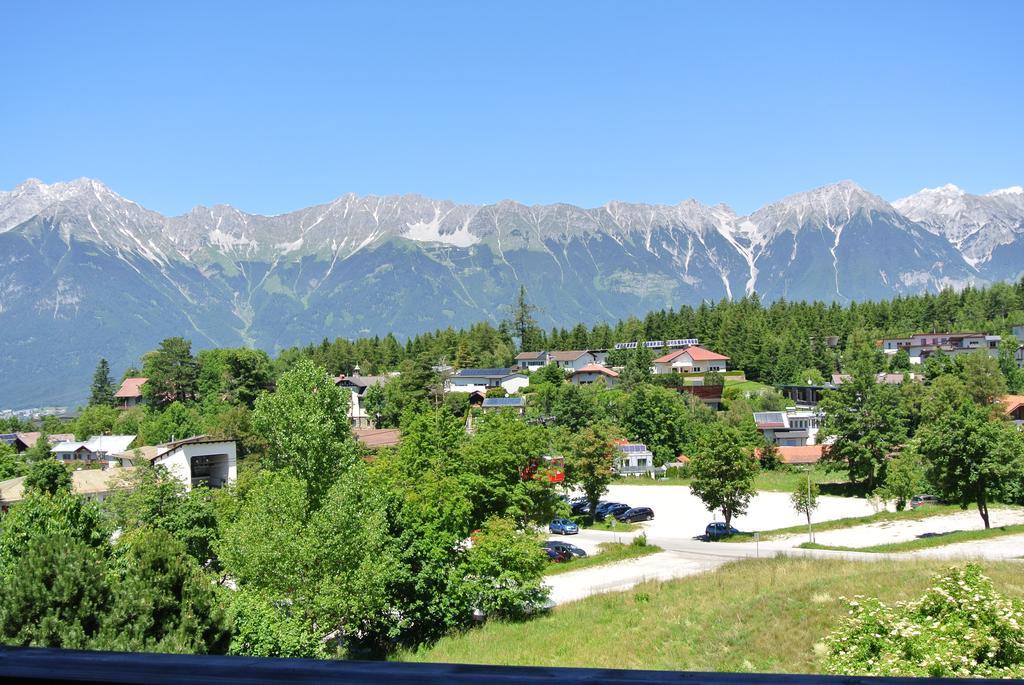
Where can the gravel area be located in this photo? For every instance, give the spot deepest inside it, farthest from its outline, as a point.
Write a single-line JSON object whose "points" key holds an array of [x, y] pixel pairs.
{"points": [[680, 514], [887, 532]]}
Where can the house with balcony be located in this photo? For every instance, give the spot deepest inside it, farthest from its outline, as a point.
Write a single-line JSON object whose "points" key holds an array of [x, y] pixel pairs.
{"points": [[920, 345], [792, 427], [594, 373], [130, 393], [692, 359], [479, 380]]}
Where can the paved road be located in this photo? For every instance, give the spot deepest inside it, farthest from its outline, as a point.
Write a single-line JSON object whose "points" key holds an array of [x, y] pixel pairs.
{"points": [[685, 556]]}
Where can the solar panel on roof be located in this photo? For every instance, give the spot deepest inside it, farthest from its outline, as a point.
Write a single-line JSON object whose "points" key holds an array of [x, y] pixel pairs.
{"points": [[654, 343], [503, 401], [683, 342]]}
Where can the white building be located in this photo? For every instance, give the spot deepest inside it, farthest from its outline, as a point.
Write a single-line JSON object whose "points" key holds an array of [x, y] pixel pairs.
{"points": [[634, 459], [194, 461], [920, 345], [479, 380], [570, 360], [790, 428], [96, 448], [693, 359], [357, 416]]}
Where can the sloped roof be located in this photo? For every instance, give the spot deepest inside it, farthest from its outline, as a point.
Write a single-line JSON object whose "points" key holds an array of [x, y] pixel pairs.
{"points": [[567, 355], [84, 482], [97, 443], [1011, 403], [695, 352], [131, 387], [523, 356], [596, 368], [503, 402], [482, 373], [378, 437], [802, 454], [30, 438]]}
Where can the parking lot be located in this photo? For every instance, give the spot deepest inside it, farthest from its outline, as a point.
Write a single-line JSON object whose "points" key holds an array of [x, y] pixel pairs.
{"points": [[680, 514]]}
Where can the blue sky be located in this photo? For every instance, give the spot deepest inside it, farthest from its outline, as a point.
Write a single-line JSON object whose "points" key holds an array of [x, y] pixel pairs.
{"points": [[271, 107]]}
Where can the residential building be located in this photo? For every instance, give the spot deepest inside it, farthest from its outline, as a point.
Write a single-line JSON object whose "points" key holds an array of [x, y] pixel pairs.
{"points": [[692, 359], [531, 361], [357, 385], [805, 395], [472, 380], [93, 484], [130, 393], [920, 345], [569, 360], [98, 448], [593, 373], [1013, 406], [498, 403], [199, 460], [634, 459], [790, 428]]}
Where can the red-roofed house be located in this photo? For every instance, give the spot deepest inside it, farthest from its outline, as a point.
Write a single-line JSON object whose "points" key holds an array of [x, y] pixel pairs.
{"points": [[130, 393], [1013, 405], [592, 373], [693, 359]]}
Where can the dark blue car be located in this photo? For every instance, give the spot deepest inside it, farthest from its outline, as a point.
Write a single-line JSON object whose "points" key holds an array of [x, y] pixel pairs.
{"points": [[563, 527]]}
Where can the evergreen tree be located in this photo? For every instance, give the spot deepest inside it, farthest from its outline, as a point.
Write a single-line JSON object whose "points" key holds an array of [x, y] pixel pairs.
{"points": [[102, 393]]}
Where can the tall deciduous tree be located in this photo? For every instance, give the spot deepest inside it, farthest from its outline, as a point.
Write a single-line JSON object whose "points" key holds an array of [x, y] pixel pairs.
{"points": [[304, 425], [588, 463], [805, 498], [723, 472], [102, 391], [973, 458], [866, 421]]}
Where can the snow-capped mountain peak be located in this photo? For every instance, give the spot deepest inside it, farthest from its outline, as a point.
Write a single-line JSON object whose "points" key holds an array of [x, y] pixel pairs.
{"points": [[1004, 192]]}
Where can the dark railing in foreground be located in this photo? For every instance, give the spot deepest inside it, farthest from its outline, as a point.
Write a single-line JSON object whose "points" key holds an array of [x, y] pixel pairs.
{"points": [[62, 666]]}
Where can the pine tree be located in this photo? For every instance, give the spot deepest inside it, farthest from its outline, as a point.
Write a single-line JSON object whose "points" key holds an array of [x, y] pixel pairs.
{"points": [[102, 386]]}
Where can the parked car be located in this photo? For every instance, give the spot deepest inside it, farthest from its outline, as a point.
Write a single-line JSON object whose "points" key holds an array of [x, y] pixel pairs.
{"points": [[557, 556], [613, 509], [560, 546], [718, 530], [923, 500], [563, 527], [580, 507], [636, 514]]}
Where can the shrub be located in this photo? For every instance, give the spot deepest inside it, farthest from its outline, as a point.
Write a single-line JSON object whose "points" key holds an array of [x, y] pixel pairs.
{"points": [[961, 627], [640, 540]]}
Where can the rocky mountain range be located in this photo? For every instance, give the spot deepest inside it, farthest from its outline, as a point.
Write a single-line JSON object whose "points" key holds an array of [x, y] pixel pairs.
{"points": [[86, 273]]}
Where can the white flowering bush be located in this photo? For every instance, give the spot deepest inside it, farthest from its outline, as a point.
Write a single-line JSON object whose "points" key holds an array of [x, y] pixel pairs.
{"points": [[961, 627]]}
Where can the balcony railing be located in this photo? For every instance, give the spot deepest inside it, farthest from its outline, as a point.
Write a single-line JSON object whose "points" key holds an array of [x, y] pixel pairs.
{"points": [[62, 666]]}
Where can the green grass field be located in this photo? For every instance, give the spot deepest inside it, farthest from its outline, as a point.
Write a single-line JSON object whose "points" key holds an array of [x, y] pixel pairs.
{"points": [[925, 543], [767, 615], [611, 552]]}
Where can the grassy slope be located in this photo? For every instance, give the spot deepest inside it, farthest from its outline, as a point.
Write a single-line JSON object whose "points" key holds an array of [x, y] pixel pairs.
{"points": [[756, 615], [932, 541], [610, 553]]}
